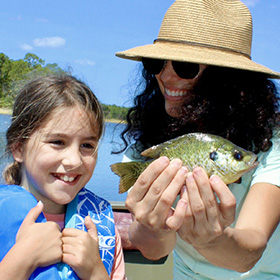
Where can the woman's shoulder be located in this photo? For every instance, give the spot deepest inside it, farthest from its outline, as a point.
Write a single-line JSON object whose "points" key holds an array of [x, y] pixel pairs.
{"points": [[269, 163]]}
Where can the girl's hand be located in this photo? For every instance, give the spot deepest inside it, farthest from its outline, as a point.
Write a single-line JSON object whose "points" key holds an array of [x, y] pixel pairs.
{"points": [[206, 218], [81, 252], [42, 241]]}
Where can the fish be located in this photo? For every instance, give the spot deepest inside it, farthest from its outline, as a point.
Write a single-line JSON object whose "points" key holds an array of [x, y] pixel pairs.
{"points": [[215, 154]]}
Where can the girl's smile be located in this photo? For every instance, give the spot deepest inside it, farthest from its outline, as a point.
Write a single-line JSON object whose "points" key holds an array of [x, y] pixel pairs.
{"points": [[59, 158], [66, 178]]}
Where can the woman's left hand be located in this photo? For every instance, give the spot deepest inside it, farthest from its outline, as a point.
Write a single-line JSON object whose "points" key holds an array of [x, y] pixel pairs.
{"points": [[206, 218], [81, 251]]}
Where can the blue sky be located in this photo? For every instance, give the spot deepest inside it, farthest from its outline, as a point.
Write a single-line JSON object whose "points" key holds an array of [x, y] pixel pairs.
{"points": [[85, 34]]}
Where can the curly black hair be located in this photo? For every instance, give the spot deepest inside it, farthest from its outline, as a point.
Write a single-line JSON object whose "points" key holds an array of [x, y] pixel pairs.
{"points": [[239, 105]]}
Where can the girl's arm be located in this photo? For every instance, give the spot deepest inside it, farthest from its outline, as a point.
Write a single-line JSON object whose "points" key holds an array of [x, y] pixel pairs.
{"points": [[16, 265], [150, 200], [206, 225], [118, 270], [37, 244]]}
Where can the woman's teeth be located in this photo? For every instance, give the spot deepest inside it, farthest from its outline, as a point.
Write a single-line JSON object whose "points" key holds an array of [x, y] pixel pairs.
{"points": [[175, 93]]}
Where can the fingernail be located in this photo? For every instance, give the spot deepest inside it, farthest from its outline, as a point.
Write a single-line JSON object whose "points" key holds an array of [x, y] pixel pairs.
{"points": [[164, 160], [39, 203], [176, 162], [183, 203], [190, 176], [214, 178], [183, 189], [198, 170], [184, 170]]}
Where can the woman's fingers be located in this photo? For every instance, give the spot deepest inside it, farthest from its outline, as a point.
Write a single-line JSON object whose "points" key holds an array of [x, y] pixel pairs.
{"points": [[208, 199], [146, 179], [153, 194], [227, 200], [176, 217]]}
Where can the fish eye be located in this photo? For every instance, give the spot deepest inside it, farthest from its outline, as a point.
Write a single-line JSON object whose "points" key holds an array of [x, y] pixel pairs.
{"points": [[238, 155], [213, 156]]}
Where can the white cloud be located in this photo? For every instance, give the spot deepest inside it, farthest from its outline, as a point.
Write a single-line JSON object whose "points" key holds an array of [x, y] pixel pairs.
{"points": [[250, 3], [26, 47], [85, 61], [54, 42]]}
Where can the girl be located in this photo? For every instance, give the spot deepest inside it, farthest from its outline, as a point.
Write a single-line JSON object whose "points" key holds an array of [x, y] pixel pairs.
{"points": [[199, 77], [56, 126]]}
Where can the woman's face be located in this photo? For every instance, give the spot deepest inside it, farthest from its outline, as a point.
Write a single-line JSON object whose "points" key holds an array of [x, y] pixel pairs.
{"points": [[176, 91], [59, 158]]}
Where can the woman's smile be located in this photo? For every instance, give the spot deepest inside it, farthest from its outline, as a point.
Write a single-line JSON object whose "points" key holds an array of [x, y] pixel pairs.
{"points": [[176, 91]]}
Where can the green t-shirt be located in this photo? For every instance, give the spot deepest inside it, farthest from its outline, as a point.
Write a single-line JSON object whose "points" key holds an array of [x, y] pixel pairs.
{"points": [[189, 264]]}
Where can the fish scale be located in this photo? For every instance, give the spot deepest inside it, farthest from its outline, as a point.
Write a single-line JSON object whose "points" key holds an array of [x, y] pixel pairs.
{"points": [[183, 147]]}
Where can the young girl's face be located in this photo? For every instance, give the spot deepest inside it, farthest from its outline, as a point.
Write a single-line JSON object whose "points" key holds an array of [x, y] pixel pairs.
{"points": [[59, 158]]}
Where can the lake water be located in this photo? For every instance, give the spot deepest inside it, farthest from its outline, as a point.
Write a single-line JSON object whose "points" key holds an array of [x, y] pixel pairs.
{"points": [[103, 182]]}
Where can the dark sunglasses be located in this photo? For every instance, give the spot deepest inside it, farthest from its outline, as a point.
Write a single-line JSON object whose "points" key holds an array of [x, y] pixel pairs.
{"points": [[185, 70]]}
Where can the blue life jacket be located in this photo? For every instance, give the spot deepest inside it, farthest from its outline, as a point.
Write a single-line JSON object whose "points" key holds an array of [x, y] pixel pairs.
{"points": [[15, 203]]}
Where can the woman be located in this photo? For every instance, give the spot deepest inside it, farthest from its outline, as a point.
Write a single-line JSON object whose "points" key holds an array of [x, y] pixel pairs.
{"points": [[199, 77]]}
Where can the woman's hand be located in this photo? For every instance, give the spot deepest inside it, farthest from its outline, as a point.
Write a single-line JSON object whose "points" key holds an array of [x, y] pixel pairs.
{"points": [[206, 218], [150, 201], [81, 252]]}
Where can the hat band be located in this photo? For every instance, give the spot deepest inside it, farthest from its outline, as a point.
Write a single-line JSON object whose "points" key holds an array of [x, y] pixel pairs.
{"points": [[201, 45]]}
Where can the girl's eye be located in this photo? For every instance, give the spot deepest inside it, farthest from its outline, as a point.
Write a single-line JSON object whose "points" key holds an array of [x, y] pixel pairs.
{"points": [[88, 146], [57, 142]]}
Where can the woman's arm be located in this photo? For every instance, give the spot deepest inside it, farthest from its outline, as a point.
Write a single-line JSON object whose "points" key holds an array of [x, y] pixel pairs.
{"points": [[150, 200], [206, 225]]}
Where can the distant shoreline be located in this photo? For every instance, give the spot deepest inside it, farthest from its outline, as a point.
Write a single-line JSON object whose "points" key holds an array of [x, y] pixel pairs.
{"points": [[8, 111]]}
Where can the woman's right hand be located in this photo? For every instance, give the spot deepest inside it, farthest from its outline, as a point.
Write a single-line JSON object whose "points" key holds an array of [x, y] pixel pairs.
{"points": [[41, 241], [150, 201]]}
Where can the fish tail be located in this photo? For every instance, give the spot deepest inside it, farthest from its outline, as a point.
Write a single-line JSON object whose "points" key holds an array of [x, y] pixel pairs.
{"points": [[128, 173]]}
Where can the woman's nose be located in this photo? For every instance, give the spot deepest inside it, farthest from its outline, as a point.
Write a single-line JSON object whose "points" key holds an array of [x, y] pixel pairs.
{"points": [[168, 73]]}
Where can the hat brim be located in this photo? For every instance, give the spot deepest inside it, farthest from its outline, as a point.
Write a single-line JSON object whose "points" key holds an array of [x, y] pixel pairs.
{"points": [[196, 54]]}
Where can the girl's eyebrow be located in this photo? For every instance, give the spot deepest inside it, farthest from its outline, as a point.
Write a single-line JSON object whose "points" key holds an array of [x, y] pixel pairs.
{"points": [[63, 135]]}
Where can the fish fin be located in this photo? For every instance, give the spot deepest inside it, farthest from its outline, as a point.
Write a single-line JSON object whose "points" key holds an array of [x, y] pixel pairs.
{"points": [[154, 151], [128, 173]]}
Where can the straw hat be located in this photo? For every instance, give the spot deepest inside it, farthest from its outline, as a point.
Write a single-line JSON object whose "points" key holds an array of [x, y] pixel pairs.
{"points": [[212, 32]]}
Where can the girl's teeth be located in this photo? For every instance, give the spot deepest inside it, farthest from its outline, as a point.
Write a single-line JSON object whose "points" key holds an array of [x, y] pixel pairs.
{"points": [[67, 179]]}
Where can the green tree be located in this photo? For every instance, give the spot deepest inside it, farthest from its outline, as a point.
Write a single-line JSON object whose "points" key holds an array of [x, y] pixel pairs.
{"points": [[15, 73], [33, 61], [5, 66]]}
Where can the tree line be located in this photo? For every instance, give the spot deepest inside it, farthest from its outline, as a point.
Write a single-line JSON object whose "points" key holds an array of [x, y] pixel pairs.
{"points": [[14, 73]]}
